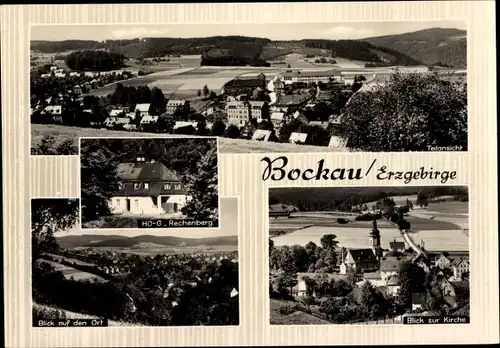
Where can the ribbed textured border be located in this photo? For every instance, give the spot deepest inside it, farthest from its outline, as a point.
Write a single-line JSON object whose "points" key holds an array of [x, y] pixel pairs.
{"points": [[241, 176]]}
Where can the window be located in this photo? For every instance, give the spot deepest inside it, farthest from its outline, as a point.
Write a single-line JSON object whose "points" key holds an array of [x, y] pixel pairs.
{"points": [[120, 185], [166, 186], [137, 185], [177, 186], [146, 185]]}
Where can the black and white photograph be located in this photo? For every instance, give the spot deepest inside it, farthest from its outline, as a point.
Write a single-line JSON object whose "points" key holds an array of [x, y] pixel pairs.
{"points": [[116, 278], [369, 255], [383, 86], [149, 182]]}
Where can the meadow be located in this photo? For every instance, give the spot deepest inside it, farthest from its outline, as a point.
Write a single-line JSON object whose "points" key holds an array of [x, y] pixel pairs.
{"points": [[439, 232], [226, 145], [164, 250], [70, 272]]}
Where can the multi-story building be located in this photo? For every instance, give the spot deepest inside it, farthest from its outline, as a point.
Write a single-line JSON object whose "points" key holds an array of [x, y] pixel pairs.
{"points": [[147, 188], [290, 77], [176, 105], [238, 113]]}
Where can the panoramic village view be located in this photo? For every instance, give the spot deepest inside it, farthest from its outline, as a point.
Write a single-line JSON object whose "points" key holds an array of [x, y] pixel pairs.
{"points": [[126, 182], [133, 278], [307, 87], [372, 255]]}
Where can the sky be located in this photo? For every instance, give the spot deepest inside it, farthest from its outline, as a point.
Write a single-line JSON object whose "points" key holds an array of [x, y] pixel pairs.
{"points": [[228, 226], [274, 31]]}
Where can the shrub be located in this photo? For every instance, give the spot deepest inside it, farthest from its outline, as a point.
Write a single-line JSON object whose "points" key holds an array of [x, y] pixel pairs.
{"points": [[409, 113]]}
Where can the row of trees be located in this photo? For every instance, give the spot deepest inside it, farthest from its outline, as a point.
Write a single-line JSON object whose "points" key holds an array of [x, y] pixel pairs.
{"points": [[344, 199], [94, 60]]}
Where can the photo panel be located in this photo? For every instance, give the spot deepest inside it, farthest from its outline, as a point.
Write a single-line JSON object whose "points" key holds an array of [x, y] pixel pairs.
{"points": [[135, 278], [149, 182], [379, 86], [369, 255]]}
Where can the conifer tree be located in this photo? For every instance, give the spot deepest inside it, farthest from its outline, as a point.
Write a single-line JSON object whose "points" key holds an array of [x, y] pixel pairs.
{"points": [[202, 186]]}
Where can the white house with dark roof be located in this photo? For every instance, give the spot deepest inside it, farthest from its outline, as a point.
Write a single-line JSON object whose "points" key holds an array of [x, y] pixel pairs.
{"points": [[175, 105], [148, 119], [52, 110], [143, 109], [297, 138], [277, 119], [262, 135], [147, 188]]}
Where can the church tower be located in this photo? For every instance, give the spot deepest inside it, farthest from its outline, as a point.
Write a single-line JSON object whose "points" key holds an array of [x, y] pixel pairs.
{"points": [[375, 239]]}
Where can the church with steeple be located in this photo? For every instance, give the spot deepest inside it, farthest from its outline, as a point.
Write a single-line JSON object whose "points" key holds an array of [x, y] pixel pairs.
{"points": [[363, 260]]}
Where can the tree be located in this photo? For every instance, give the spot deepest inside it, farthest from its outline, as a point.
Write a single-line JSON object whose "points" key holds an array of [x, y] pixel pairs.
{"points": [[206, 91], [198, 93], [422, 199], [233, 132], [218, 128], [49, 215], [99, 179], [408, 113], [328, 241], [412, 280], [202, 186]]}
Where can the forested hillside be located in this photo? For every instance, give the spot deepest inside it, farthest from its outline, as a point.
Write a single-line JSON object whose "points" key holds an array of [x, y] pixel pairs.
{"points": [[446, 47], [336, 198]]}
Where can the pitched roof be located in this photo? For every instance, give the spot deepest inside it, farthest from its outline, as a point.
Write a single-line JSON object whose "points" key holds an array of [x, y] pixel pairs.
{"points": [[182, 124], [362, 255], [397, 245], [298, 137], [236, 104], [394, 280], [149, 119], [277, 116], [388, 264], [292, 99], [115, 112], [143, 107], [336, 141], [258, 104], [261, 134], [372, 275], [146, 171], [176, 102]]}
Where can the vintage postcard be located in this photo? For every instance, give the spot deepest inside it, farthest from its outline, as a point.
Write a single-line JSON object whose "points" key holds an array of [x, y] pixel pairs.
{"points": [[249, 174]]}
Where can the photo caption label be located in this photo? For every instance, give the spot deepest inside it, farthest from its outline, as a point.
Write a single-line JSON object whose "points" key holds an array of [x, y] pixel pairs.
{"points": [[446, 319], [70, 323], [172, 223], [276, 170]]}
